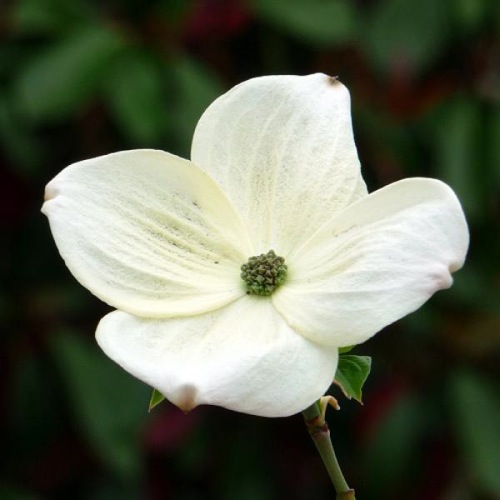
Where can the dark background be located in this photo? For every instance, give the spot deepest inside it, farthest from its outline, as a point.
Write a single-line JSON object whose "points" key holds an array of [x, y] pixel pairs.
{"points": [[83, 78]]}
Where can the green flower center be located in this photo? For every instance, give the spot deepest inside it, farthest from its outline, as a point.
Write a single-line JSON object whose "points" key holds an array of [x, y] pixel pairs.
{"points": [[263, 273]]}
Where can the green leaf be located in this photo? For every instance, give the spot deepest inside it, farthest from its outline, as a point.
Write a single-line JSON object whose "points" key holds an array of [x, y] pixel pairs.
{"points": [[475, 404], [137, 99], [156, 398], [108, 404], [61, 79], [493, 133], [393, 452], [352, 373], [410, 34], [49, 16], [458, 131], [194, 89], [316, 21], [469, 14], [343, 350], [20, 143]]}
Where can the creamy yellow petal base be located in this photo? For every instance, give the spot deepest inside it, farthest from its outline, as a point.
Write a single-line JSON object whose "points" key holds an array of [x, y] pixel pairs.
{"points": [[148, 233], [282, 149], [376, 262]]}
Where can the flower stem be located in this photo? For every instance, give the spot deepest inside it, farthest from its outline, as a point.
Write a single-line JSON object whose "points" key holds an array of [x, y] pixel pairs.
{"points": [[320, 434]]}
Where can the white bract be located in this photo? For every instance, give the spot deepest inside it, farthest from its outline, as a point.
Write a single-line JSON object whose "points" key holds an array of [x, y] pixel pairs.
{"points": [[273, 167]]}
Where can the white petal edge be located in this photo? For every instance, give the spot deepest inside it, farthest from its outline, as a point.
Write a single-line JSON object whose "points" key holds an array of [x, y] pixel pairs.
{"points": [[282, 149], [377, 261], [148, 233], [243, 357]]}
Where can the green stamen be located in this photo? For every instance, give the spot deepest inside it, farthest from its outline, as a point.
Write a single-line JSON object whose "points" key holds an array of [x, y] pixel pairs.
{"points": [[263, 273]]}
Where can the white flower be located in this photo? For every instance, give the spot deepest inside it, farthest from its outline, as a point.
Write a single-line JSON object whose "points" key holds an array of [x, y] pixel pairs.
{"points": [[274, 167]]}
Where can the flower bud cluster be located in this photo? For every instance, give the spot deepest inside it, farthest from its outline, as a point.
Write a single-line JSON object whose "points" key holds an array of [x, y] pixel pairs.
{"points": [[264, 273]]}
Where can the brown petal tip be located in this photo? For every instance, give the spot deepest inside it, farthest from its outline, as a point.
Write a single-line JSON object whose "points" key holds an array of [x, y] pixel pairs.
{"points": [[186, 400]]}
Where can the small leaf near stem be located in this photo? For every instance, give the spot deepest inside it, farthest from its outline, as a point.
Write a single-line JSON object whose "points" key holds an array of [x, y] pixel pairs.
{"points": [[156, 398], [352, 373], [343, 350], [320, 434]]}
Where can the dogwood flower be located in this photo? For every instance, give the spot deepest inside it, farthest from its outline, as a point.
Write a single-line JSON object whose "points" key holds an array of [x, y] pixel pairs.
{"points": [[238, 275]]}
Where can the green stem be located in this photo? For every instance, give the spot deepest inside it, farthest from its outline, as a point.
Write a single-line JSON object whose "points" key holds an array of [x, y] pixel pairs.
{"points": [[320, 433]]}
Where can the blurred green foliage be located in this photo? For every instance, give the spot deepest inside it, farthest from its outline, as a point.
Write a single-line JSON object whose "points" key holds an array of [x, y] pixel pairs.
{"points": [[81, 78]]}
